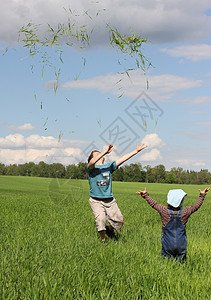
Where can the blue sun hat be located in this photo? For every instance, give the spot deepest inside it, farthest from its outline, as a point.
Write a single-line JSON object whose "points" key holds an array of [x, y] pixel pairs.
{"points": [[176, 197]]}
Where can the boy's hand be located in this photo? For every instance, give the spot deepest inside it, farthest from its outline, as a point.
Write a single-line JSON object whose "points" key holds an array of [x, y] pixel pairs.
{"points": [[127, 156], [139, 148], [142, 193], [109, 148], [204, 191]]}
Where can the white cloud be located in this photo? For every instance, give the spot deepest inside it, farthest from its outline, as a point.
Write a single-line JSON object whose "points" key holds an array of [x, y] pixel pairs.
{"points": [[198, 112], [203, 123], [159, 21], [153, 141], [200, 100], [199, 164], [12, 141], [16, 149], [25, 127], [152, 155], [191, 52], [162, 87], [38, 141], [14, 156], [188, 163]]}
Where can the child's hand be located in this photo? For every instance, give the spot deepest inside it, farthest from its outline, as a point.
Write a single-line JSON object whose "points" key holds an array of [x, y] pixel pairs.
{"points": [[205, 191], [139, 148], [109, 148], [142, 193]]}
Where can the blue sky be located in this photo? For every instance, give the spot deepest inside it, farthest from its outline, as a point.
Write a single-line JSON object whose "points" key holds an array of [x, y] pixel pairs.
{"points": [[174, 116]]}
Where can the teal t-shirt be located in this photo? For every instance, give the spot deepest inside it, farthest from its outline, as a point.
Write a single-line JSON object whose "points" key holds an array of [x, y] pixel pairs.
{"points": [[100, 180]]}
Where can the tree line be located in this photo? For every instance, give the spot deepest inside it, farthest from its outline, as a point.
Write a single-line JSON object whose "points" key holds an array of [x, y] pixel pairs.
{"points": [[134, 172]]}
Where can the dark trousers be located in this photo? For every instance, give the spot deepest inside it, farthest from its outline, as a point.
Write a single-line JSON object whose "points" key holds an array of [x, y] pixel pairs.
{"points": [[174, 239]]}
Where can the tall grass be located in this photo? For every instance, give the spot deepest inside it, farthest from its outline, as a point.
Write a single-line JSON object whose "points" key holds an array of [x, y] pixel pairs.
{"points": [[49, 247]]}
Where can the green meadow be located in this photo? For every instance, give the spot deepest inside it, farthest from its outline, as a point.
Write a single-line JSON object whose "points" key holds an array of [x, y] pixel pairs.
{"points": [[49, 247]]}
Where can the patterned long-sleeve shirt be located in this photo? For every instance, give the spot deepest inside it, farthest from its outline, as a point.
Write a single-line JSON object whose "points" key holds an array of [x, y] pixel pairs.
{"points": [[164, 212]]}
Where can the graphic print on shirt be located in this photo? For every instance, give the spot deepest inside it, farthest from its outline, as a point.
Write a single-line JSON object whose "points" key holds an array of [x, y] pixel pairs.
{"points": [[105, 181]]}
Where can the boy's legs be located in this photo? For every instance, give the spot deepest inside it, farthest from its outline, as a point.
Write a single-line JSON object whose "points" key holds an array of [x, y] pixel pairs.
{"points": [[106, 210], [99, 212], [102, 235], [114, 216], [110, 232]]}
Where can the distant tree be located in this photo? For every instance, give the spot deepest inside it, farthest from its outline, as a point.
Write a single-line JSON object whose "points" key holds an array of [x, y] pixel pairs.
{"points": [[118, 175], [138, 174], [25, 169], [178, 173], [150, 176], [203, 177], [35, 171], [56, 170], [30, 166], [43, 169], [193, 177], [159, 173], [12, 170], [127, 174], [82, 170], [185, 177], [72, 171], [2, 169], [133, 173], [171, 177]]}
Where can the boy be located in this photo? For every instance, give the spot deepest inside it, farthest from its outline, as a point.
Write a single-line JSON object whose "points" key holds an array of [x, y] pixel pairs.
{"points": [[174, 220], [102, 201]]}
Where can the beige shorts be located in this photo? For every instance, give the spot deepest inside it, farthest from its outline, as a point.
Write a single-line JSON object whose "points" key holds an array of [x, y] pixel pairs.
{"points": [[106, 210]]}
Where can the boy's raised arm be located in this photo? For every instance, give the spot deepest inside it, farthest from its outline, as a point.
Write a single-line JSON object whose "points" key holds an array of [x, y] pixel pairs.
{"points": [[127, 156], [99, 156]]}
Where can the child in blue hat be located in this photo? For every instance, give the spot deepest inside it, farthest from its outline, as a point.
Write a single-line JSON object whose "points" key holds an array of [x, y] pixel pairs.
{"points": [[174, 220]]}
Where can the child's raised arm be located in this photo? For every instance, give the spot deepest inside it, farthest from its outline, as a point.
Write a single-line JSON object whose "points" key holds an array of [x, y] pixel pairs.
{"points": [[127, 156], [204, 191], [142, 193], [96, 158], [154, 204]]}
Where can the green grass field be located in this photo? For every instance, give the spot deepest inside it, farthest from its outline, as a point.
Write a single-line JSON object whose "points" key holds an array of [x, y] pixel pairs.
{"points": [[49, 247]]}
